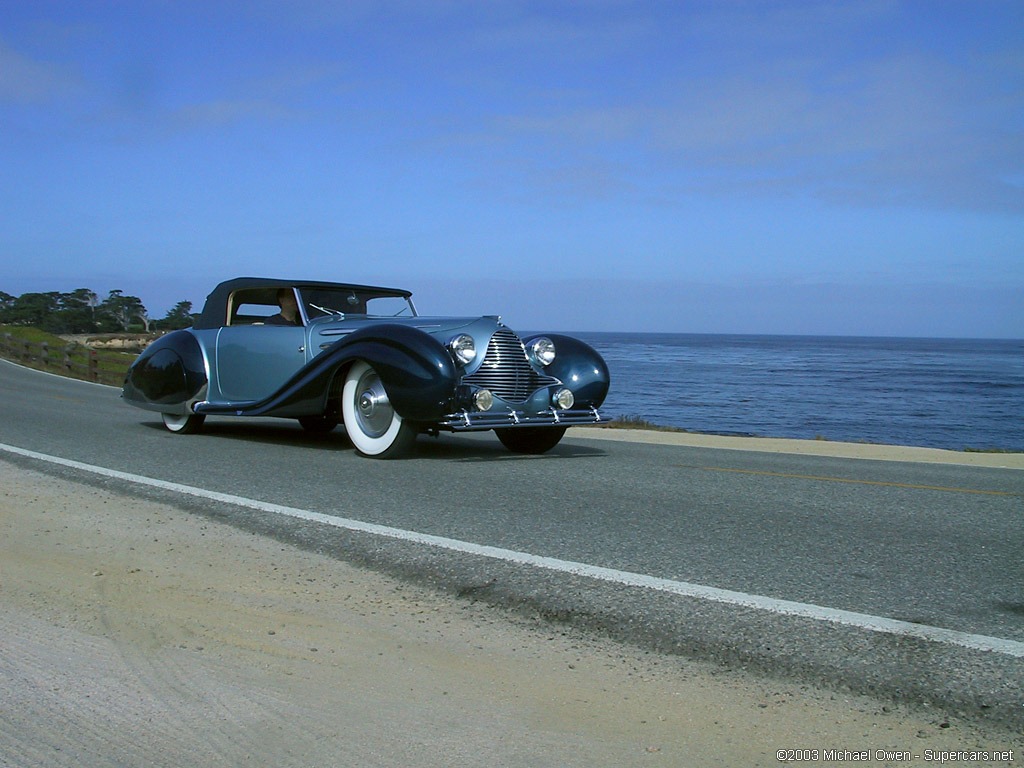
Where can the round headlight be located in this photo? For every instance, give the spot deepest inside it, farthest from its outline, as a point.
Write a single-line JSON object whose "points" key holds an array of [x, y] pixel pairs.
{"points": [[542, 350], [462, 348], [563, 399]]}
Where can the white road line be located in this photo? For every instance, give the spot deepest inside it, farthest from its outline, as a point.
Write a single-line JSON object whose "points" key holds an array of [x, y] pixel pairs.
{"points": [[627, 578]]}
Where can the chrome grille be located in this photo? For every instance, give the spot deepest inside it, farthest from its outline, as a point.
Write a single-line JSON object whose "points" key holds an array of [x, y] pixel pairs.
{"points": [[505, 370]]}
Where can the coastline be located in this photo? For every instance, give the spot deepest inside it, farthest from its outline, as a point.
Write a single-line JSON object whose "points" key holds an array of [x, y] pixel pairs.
{"points": [[836, 449], [870, 451]]}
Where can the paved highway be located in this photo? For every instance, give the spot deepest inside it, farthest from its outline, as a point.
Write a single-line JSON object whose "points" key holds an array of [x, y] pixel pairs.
{"points": [[934, 546]]}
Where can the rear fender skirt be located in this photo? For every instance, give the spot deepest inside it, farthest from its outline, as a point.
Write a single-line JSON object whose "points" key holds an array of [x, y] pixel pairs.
{"points": [[416, 370], [168, 376], [579, 367]]}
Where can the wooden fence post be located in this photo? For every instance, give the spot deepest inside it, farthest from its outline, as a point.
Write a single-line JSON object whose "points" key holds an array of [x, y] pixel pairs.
{"points": [[94, 368], [44, 354]]}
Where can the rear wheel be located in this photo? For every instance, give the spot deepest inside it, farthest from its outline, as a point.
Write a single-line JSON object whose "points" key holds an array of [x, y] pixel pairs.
{"points": [[373, 426], [188, 424], [530, 439]]}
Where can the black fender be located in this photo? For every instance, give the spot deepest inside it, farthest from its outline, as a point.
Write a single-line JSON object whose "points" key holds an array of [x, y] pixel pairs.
{"points": [[417, 371], [167, 375], [579, 366]]}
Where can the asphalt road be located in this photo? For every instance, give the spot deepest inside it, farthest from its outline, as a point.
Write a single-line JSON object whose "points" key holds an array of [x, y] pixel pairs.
{"points": [[936, 545]]}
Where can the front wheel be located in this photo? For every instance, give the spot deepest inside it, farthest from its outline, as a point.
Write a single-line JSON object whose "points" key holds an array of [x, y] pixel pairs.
{"points": [[184, 425], [373, 426], [530, 439]]}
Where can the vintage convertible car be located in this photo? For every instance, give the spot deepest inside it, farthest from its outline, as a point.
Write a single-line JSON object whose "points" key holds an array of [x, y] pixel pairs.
{"points": [[325, 353]]}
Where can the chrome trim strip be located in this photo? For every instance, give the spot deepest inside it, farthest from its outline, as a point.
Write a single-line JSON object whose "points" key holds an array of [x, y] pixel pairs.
{"points": [[464, 421]]}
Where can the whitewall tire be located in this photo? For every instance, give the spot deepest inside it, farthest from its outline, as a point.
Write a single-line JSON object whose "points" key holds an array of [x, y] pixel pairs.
{"points": [[373, 426], [184, 425]]}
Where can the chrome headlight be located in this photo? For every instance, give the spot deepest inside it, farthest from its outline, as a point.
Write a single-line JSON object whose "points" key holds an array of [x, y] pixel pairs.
{"points": [[542, 351], [463, 348]]}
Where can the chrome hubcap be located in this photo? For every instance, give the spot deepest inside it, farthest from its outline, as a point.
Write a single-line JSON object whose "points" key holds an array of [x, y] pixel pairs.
{"points": [[372, 405]]}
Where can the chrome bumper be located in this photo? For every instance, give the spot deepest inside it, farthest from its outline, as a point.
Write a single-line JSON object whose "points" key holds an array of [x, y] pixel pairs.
{"points": [[464, 421]]}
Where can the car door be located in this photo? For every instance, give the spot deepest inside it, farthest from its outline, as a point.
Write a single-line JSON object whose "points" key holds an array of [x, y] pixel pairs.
{"points": [[254, 361]]}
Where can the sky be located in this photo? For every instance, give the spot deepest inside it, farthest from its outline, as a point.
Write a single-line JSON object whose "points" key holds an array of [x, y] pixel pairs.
{"points": [[716, 166]]}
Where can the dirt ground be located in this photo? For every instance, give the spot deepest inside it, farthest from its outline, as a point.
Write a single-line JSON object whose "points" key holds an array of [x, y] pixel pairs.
{"points": [[870, 451], [136, 634]]}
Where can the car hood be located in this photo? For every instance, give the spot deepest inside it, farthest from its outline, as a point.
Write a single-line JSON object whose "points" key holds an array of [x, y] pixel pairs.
{"points": [[425, 323], [443, 328]]}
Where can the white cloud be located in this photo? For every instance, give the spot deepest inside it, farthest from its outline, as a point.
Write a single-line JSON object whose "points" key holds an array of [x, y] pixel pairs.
{"points": [[24, 79], [903, 128]]}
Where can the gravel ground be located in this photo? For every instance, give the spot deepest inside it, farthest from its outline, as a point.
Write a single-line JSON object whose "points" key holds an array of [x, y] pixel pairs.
{"points": [[133, 633]]}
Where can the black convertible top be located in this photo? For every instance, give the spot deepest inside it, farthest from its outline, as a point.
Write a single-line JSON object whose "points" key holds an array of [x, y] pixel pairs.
{"points": [[215, 310]]}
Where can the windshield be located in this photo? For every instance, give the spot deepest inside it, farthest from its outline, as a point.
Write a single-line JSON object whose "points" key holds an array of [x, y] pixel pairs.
{"points": [[320, 302]]}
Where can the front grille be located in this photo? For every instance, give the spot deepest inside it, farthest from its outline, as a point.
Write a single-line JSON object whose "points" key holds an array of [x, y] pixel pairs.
{"points": [[506, 372]]}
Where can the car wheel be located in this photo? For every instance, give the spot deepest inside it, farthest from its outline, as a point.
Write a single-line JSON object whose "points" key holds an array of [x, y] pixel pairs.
{"points": [[530, 439], [184, 425], [373, 426], [318, 425]]}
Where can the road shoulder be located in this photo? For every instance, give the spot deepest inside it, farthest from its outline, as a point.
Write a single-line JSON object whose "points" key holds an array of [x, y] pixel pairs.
{"points": [[870, 451], [135, 632]]}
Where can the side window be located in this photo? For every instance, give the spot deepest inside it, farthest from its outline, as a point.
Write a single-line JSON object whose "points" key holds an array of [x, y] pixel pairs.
{"points": [[258, 307], [248, 313]]}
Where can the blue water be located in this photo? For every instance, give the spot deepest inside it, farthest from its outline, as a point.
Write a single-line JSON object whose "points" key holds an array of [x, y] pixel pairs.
{"points": [[942, 393]]}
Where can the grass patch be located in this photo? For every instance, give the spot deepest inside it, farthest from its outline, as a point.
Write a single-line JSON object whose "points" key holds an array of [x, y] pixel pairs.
{"points": [[638, 422], [111, 366], [26, 333]]}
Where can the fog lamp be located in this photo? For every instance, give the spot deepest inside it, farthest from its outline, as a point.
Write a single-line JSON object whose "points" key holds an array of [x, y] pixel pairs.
{"points": [[483, 399], [563, 399]]}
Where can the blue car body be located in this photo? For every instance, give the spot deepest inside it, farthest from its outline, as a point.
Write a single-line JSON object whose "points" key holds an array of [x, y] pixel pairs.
{"points": [[362, 356]]}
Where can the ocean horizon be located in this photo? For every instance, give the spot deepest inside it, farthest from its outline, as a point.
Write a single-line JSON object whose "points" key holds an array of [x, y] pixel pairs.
{"points": [[952, 393]]}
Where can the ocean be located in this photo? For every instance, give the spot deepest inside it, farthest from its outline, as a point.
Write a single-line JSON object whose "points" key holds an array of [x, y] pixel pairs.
{"points": [[941, 393]]}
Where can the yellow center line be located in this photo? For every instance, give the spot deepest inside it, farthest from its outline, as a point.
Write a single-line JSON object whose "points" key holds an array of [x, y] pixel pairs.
{"points": [[849, 480]]}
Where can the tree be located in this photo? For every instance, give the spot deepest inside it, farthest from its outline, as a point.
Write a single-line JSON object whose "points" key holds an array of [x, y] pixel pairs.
{"points": [[179, 317], [81, 311], [119, 311], [31, 308], [76, 313], [80, 298], [6, 303]]}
